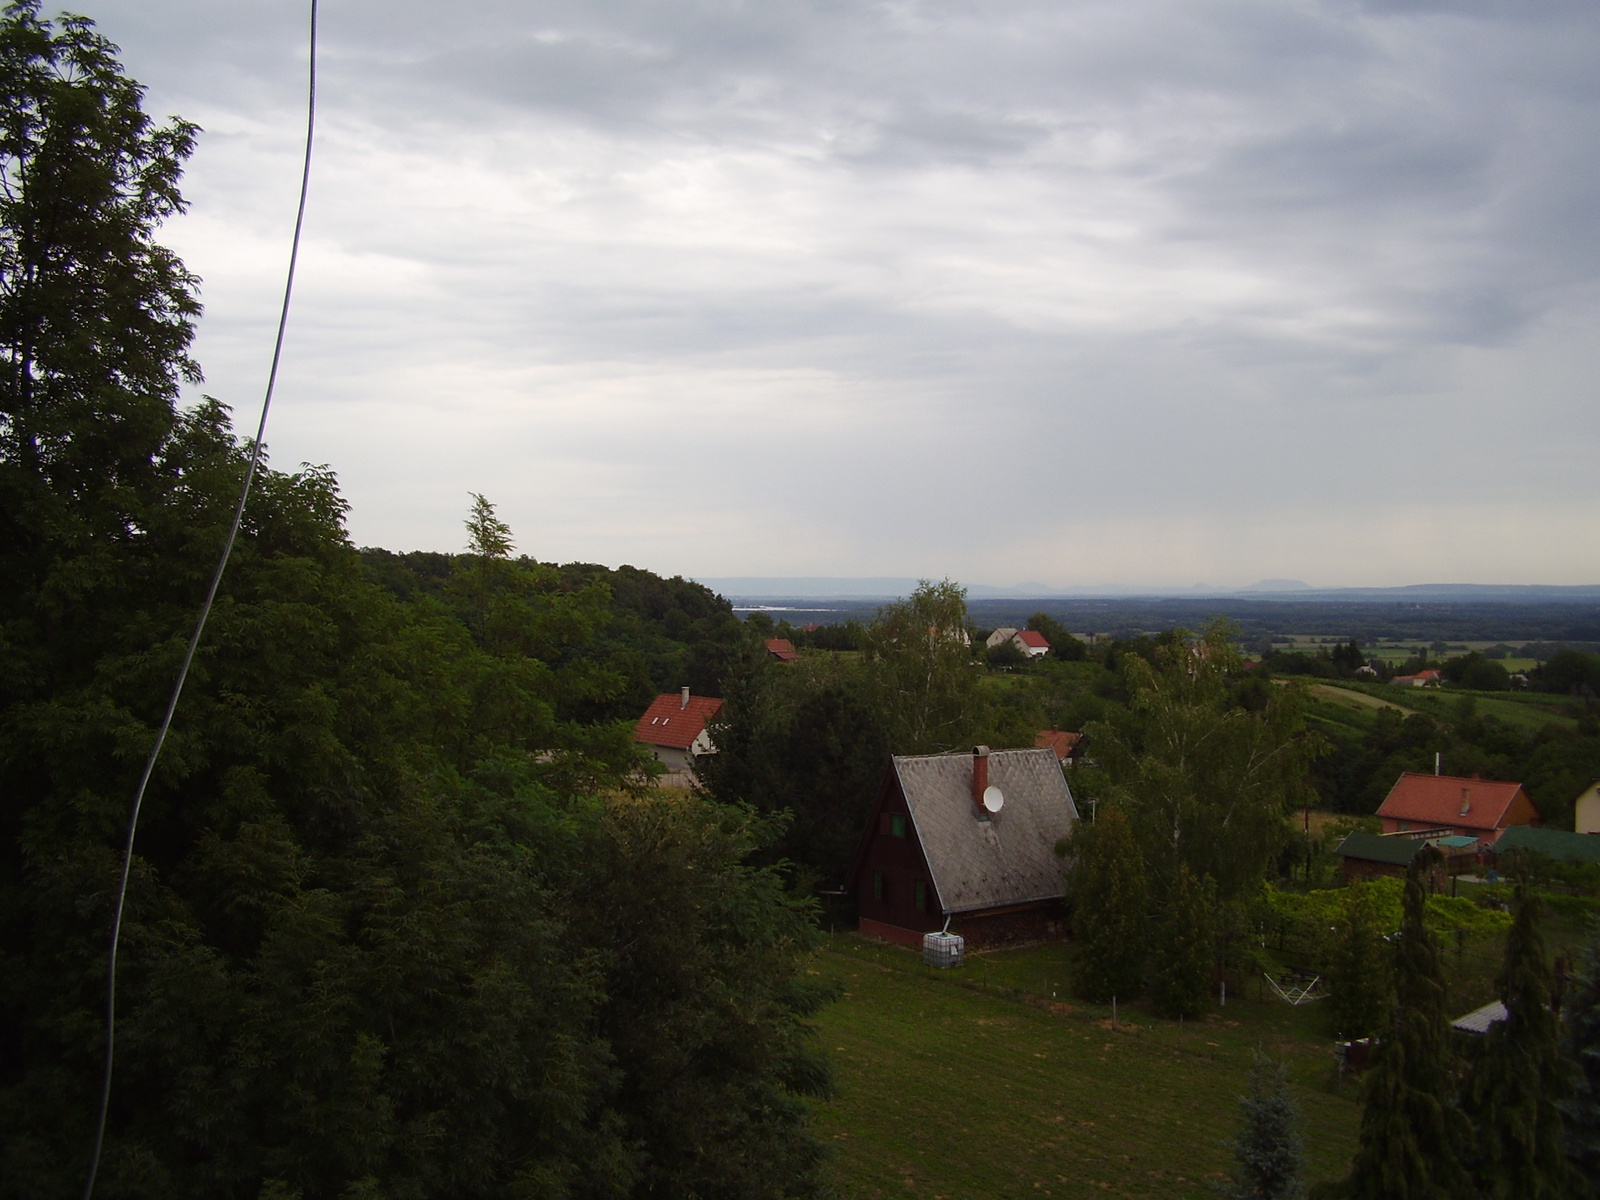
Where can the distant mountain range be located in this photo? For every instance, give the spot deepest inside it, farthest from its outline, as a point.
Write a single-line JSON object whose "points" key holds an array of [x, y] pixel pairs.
{"points": [[768, 588]]}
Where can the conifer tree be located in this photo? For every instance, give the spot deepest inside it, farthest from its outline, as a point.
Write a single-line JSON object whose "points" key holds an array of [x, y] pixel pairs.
{"points": [[1581, 1042], [1269, 1153], [1411, 1129], [1519, 1078], [1359, 968], [1185, 947], [1109, 899]]}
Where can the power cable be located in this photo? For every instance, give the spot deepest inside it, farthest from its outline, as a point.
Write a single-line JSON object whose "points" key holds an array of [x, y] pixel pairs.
{"points": [[200, 624]]}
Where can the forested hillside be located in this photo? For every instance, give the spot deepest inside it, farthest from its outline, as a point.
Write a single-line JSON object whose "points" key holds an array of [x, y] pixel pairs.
{"points": [[402, 921]]}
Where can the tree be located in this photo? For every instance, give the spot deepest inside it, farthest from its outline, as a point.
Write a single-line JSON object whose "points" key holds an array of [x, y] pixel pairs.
{"points": [[1412, 1134], [1581, 1043], [487, 534], [1358, 973], [1106, 886], [1206, 782], [1185, 947], [1519, 1078], [920, 659], [1269, 1152]]}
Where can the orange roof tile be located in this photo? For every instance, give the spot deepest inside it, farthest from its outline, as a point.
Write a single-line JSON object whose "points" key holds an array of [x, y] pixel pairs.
{"points": [[668, 723], [1032, 637], [1437, 800], [1058, 740], [782, 649]]}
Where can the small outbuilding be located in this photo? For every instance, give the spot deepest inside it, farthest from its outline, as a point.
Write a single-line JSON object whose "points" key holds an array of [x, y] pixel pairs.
{"points": [[782, 649], [965, 842]]}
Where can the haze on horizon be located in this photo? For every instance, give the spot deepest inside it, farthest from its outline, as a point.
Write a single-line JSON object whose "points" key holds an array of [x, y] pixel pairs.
{"points": [[1142, 293]]}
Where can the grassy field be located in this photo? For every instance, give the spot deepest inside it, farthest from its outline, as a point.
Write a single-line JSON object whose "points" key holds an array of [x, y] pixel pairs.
{"points": [[1526, 711], [975, 1083]]}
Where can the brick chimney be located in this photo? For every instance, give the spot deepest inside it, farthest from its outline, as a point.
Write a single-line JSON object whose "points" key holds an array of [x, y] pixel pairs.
{"points": [[980, 777], [684, 702]]}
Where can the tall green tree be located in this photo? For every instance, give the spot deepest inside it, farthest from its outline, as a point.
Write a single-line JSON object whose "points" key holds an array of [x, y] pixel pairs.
{"points": [[1581, 1042], [1519, 1077], [1185, 946], [1268, 1151], [1206, 781], [919, 654], [1359, 967], [1106, 886], [1412, 1133]]}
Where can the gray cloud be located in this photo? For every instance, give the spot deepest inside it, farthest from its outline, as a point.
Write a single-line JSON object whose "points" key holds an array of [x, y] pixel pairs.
{"points": [[1149, 292]]}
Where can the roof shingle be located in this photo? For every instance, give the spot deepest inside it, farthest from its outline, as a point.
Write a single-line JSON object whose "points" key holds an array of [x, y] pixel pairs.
{"points": [[669, 722]]}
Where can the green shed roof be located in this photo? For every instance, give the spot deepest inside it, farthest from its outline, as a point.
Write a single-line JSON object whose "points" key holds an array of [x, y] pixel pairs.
{"points": [[1376, 847], [1556, 843]]}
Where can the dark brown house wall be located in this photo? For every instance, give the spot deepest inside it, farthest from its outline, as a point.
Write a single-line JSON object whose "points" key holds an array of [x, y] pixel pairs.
{"points": [[899, 862]]}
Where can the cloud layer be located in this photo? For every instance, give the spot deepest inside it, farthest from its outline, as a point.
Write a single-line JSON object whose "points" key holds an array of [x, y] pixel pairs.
{"points": [[1137, 292]]}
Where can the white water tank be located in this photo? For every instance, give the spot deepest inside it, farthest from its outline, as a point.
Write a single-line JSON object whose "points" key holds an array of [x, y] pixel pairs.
{"points": [[943, 950]]}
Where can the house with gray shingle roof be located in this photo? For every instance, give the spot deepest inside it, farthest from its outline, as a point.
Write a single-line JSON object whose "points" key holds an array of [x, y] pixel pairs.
{"points": [[965, 841]]}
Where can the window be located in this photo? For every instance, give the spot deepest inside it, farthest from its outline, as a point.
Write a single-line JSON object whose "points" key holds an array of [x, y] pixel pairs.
{"points": [[921, 896], [897, 825], [877, 885]]}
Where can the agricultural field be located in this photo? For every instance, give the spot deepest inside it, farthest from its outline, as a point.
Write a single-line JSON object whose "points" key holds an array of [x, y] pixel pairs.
{"points": [[987, 1082]]}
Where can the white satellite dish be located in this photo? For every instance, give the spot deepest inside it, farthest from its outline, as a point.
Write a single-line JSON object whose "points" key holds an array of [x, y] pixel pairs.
{"points": [[993, 799]]}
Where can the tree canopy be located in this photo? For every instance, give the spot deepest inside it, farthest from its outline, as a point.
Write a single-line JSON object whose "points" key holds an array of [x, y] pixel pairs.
{"points": [[396, 892]]}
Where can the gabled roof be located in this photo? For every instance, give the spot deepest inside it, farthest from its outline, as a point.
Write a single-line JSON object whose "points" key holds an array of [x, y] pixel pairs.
{"points": [[669, 722], [1062, 742], [1032, 637], [1375, 847], [782, 649], [1554, 843], [1479, 1019], [1438, 799], [1007, 859]]}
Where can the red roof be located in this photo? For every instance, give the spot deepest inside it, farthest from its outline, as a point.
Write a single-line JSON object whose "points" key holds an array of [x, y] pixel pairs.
{"points": [[1437, 801], [1032, 637], [781, 649], [668, 722], [1058, 740]]}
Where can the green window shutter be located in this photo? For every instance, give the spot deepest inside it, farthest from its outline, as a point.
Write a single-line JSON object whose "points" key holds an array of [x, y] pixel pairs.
{"points": [[877, 885], [922, 896], [897, 825]]}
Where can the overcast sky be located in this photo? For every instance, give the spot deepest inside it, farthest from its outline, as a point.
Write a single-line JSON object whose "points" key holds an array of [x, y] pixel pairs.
{"points": [[1146, 292]]}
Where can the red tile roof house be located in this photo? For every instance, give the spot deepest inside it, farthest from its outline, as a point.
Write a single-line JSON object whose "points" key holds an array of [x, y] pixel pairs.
{"points": [[1066, 745], [1031, 642], [674, 726], [782, 649], [1478, 808], [966, 840], [1429, 678]]}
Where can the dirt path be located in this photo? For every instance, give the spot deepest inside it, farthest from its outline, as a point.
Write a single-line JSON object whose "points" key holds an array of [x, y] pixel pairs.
{"points": [[1349, 699]]}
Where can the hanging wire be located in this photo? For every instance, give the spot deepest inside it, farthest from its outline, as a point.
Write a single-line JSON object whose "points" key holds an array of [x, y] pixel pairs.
{"points": [[200, 624]]}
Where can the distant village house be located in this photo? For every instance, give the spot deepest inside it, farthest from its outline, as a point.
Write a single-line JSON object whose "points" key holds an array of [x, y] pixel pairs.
{"points": [[1450, 804], [1066, 746], [674, 726], [1031, 642], [1586, 809], [782, 649], [965, 842]]}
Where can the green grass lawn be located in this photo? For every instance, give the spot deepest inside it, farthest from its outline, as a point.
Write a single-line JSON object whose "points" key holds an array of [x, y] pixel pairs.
{"points": [[973, 1083]]}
